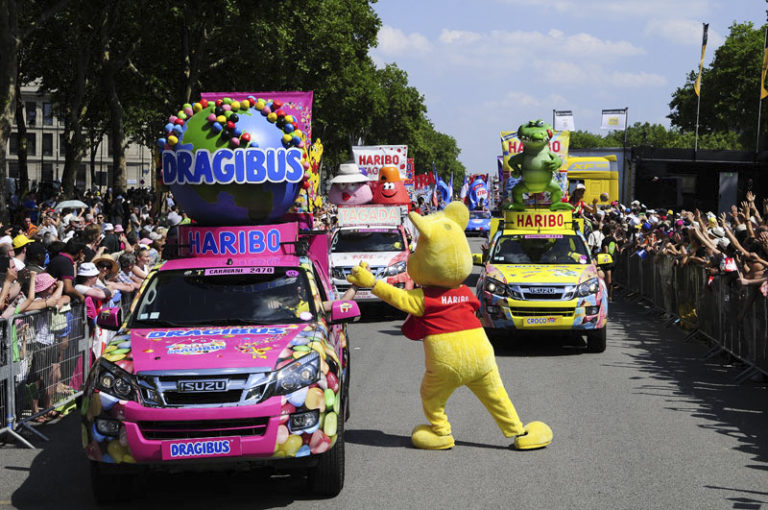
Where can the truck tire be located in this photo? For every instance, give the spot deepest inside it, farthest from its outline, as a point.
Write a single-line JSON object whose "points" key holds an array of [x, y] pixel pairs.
{"points": [[596, 339], [110, 483], [346, 381], [327, 478]]}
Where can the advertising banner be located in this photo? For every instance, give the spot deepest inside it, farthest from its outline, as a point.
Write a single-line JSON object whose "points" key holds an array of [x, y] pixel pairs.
{"points": [[409, 171], [238, 241], [360, 215], [370, 159], [614, 119], [564, 120], [422, 181]]}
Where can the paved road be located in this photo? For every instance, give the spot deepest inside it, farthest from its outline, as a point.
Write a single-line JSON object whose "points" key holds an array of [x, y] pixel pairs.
{"points": [[647, 424]]}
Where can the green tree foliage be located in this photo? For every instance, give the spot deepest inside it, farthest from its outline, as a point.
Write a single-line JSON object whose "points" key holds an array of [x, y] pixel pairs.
{"points": [[586, 140], [63, 54], [399, 116], [656, 135], [124, 67], [730, 90]]}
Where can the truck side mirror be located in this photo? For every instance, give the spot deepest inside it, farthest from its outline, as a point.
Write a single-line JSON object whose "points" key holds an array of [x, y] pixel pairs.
{"points": [[604, 259], [344, 311], [477, 259], [110, 319]]}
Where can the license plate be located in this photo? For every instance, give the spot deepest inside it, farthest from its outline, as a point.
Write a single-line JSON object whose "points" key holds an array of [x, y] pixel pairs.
{"points": [[201, 386], [201, 448], [543, 290], [540, 321], [364, 294]]}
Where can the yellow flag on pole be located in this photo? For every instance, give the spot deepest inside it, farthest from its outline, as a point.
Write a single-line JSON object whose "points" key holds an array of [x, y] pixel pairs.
{"points": [[697, 85]]}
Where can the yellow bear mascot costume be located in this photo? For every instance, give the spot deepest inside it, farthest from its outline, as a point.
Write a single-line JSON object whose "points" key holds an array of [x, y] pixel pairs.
{"points": [[442, 313]]}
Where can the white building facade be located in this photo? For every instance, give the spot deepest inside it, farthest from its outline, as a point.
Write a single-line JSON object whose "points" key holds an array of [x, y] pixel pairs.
{"points": [[45, 150]]}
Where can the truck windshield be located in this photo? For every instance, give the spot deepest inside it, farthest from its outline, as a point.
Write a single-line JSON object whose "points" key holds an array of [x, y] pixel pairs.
{"points": [[356, 241], [479, 215], [250, 295], [540, 249]]}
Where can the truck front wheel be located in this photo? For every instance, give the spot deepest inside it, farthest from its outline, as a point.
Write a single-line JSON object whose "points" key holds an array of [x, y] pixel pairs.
{"points": [[596, 339], [327, 478], [111, 483]]}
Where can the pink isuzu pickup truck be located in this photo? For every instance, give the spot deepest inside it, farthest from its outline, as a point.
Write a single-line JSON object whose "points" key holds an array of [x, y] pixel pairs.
{"points": [[234, 354]]}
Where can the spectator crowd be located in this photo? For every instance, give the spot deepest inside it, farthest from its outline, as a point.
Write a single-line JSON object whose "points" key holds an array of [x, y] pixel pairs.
{"points": [[98, 250], [94, 252], [731, 245]]}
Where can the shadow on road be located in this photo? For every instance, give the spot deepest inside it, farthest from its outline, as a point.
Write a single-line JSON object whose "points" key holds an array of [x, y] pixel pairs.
{"points": [[703, 388], [59, 479], [381, 439], [528, 344]]}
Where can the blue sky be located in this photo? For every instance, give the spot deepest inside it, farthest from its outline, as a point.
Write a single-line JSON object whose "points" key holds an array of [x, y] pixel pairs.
{"points": [[489, 65]]}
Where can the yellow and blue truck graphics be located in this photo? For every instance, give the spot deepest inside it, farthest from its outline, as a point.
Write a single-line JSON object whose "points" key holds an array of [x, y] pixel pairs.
{"points": [[538, 274]]}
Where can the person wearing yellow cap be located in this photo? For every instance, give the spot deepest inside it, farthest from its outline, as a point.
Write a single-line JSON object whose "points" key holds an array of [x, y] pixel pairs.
{"points": [[20, 243]]}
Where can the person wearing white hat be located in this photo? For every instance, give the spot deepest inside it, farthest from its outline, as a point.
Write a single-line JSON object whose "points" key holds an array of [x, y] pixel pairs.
{"points": [[85, 284], [579, 206], [350, 186]]}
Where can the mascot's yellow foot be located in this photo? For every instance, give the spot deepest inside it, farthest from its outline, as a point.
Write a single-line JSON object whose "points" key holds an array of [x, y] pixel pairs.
{"points": [[423, 437], [537, 435]]}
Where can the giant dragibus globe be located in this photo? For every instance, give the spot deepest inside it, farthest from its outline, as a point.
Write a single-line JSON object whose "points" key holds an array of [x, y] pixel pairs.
{"points": [[234, 162]]}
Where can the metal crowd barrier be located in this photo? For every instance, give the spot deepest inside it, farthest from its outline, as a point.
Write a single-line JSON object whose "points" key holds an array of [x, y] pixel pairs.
{"points": [[732, 317], [44, 363]]}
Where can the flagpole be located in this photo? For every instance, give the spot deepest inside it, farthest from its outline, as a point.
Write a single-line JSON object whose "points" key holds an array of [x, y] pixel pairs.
{"points": [[697, 84], [624, 149], [759, 113], [760, 101], [696, 139]]}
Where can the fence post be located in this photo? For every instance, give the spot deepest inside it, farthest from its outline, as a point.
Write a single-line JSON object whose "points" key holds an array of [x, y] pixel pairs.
{"points": [[10, 417]]}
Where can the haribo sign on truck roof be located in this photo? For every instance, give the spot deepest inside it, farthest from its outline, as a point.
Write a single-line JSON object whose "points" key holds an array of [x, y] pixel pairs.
{"points": [[238, 158]]}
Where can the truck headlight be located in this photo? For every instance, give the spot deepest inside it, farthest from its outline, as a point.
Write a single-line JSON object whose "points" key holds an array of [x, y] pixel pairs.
{"points": [[591, 286], [494, 286], [302, 372], [115, 381], [395, 269]]}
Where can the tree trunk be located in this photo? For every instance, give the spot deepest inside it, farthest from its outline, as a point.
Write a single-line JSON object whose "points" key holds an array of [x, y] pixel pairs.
{"points": [[93, 149], [9, 71], [23, 145], [117, 114], [117, 129], [73, 130]]}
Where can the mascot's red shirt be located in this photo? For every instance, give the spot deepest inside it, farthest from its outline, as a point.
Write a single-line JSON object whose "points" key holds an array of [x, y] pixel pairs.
{"points": [[445, 311]]}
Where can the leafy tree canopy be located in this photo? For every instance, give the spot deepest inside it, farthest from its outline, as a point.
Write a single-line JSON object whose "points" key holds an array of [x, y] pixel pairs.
{"points": [[730, 89]]}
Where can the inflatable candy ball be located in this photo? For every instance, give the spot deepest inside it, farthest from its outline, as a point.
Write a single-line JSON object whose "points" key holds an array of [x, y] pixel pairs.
{"points": [[232, 166]]}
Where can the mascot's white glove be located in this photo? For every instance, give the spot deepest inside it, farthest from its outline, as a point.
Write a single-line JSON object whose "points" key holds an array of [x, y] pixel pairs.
{"points": [[361, 277]]}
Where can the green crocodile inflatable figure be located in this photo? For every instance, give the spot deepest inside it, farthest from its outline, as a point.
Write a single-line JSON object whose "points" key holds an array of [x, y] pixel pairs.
{"points": [[537, 166]]}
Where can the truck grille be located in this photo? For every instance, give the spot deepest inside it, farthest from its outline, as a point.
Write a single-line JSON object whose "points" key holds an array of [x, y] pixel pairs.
{"points": [[238, 385], [159, 430], [340, 273], [545, 292], [173, 398], [542, 312]]}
